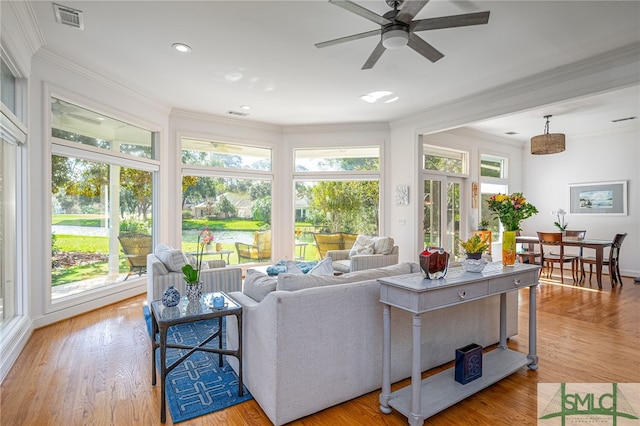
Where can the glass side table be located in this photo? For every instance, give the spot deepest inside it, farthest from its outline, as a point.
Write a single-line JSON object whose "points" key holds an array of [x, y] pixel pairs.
{"points": [[163, 317]]}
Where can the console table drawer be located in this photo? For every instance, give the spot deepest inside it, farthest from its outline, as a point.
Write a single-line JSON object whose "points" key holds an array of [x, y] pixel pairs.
{"points": [[502, 284], [452, 295]]}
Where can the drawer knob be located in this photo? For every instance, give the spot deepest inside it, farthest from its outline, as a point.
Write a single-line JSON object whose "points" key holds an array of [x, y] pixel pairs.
{"points": [[462, 294], [516, 282]]}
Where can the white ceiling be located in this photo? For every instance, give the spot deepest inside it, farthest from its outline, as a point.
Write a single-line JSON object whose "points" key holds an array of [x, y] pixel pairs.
{"points": [[262, 54]]}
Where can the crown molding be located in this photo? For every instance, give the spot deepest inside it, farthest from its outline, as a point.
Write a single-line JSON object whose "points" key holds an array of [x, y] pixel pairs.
{"points": [[601, 73], [98, 79]]}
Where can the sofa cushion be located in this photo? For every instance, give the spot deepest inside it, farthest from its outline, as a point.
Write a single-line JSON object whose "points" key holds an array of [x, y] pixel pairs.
{"points": [[292, 268], [257, 284], [292, 282], [172, 258], [324, 267], [364, 245], [383, 245]]}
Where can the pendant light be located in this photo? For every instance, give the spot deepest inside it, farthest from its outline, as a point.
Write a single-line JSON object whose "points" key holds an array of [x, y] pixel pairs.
{"points": [[547, 143]]}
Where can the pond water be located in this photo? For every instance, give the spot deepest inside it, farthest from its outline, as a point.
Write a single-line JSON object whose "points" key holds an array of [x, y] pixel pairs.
{"points": [[222, 236]]}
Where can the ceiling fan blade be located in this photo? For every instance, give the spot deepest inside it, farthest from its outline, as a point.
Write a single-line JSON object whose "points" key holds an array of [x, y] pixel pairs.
{"points": [[476, 18], [410, 9], [361, 11], [348, 38], [424, 48], [375, 55]]}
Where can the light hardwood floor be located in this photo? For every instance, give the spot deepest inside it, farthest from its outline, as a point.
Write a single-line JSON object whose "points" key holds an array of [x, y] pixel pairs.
{"points": [[95, 369]]}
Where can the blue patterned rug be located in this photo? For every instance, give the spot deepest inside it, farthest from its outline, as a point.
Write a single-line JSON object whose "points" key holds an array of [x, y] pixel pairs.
{"points": [[197, 386]]}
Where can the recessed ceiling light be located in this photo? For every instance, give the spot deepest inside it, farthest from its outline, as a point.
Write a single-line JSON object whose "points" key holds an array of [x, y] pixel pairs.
{"points": [[181, 47], [245, 107], [510, 133], [374, 97]]}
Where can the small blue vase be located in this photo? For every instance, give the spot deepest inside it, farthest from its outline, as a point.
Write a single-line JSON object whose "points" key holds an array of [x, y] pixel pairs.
{"points": [[170, 297]]}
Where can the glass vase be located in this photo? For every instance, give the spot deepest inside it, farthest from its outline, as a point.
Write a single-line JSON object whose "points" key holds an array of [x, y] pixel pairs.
{"points": [[508, 248]]}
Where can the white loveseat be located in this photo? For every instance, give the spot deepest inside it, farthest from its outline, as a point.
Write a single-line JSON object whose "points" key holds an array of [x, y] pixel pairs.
{"points": [[312, 348], [164, 269]]}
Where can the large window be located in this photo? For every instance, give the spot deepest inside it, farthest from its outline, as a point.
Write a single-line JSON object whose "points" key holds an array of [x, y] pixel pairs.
{"points": [[8, 204], [226, 189], [101, 197], [336, 190], [444, 170], [12, 138], [493, 180]]}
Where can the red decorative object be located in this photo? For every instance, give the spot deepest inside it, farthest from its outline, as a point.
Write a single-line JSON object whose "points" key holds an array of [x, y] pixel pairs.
{"points": [[434, 261]]}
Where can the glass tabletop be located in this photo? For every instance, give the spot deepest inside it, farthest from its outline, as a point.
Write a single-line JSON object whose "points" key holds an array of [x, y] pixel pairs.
{"points": [[204, 307]]}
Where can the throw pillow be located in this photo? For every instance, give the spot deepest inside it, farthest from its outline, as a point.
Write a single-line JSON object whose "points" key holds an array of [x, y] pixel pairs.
{"points": [[257, 284], [172, 258], [324, 267], [193, 261], [364, 245], [383, 245], [292, 268]]}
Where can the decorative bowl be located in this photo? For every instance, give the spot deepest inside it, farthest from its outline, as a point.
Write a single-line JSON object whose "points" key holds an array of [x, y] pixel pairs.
{"points": [[474, 265]]}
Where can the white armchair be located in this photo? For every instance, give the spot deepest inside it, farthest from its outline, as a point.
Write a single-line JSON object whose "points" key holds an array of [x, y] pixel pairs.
{"points": [[367, 253], [164, 268]]}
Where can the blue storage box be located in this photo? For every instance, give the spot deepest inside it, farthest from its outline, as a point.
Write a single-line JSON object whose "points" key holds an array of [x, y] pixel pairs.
{"points": [[468, 363]]}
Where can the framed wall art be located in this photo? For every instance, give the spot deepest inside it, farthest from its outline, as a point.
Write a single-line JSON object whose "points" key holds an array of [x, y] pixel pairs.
{"points": [[601, 198]]}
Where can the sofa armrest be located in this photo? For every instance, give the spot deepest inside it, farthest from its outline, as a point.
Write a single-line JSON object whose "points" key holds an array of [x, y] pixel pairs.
{"points": [[371, 261], [338, 254]]}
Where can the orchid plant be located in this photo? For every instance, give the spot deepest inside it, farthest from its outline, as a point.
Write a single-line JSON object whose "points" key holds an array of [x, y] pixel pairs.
{"points": [[560, 223], [191, 274]]}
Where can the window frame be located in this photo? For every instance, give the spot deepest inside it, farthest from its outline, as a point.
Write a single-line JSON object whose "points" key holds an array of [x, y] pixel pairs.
{"points": [[65, 148]]}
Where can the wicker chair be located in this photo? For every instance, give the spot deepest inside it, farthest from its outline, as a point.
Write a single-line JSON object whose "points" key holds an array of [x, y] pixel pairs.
{"points": [[334, 241], [136, 247], [259, 251]]}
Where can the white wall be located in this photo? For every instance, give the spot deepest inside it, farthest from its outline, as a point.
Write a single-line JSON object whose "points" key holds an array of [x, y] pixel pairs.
{"points": [[589, 158]]}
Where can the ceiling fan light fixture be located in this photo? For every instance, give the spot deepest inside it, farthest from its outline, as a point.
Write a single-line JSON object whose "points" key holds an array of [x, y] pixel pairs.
{"points": [[395, 38], [547, 143]]}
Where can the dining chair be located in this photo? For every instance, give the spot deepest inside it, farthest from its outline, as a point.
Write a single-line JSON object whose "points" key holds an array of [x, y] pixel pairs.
{"points": [[554, 240], [528, 254], [612, 263]]}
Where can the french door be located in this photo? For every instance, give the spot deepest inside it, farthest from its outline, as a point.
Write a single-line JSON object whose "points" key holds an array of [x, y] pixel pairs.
{"points": [[442, 212]]}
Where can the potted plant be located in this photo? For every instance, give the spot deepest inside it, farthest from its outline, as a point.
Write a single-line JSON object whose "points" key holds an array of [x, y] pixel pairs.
{"points": [[484, 225], [191, 273], [560, 223], [474, 247]]}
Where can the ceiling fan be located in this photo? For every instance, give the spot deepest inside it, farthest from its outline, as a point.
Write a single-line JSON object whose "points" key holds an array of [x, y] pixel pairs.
{"points": [[397, 27]]}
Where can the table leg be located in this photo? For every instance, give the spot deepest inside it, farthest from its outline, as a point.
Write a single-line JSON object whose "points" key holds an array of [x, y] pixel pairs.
{"points": [[533, 337], [163, 373], [599, 256], [503, 321], [415, 417], [154, 345], [239, 352], [220, 340], [386, 359]]}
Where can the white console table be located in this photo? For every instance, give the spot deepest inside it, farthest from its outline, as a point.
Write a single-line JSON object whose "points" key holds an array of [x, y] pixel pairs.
{"points": [[416, 294]]}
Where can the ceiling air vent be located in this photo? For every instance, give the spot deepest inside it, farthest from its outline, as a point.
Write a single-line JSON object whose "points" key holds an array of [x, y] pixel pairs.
{"points": [[237, 113], [68, 16]]}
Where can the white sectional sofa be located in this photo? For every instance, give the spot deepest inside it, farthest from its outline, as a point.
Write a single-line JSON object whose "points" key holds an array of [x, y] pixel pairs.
{"points": [[311, 348]]}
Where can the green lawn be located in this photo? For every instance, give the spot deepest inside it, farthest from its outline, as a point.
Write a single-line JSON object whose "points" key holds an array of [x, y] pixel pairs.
{"points": [[96, 244]]}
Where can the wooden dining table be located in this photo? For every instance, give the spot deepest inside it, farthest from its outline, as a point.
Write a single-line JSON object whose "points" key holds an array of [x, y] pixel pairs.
{"points": [[597, 245]]}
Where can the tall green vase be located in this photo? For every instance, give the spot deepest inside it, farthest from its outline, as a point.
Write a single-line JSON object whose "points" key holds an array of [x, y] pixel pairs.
{"points": [[508, 248]]}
